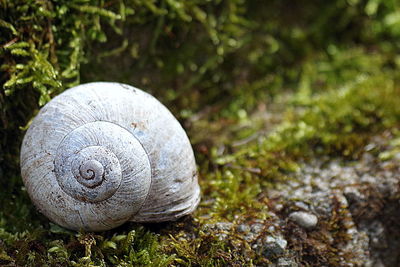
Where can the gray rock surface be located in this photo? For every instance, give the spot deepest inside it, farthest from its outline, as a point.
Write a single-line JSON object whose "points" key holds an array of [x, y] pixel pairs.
{"points": [[359, 198]]}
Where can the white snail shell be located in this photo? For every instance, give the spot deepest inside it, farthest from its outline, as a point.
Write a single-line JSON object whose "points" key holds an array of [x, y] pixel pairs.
{"points": [[101, 154]]}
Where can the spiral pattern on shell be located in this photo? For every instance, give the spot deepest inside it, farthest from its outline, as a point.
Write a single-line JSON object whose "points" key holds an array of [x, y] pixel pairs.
{"points": [[101, 154]]}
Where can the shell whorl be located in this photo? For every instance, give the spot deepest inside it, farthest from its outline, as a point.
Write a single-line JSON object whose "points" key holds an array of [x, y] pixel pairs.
{"points": [[103, 153], [88, 162]]}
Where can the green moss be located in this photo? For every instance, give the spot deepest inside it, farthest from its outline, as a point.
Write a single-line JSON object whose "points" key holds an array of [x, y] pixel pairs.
{"points": [[394, 146], [138, 247], [341, 120]]}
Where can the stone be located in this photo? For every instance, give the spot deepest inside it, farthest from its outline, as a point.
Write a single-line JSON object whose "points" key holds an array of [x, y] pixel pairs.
{"points": [[285, 262], [274, 246], [243, 228], [304, 219]]}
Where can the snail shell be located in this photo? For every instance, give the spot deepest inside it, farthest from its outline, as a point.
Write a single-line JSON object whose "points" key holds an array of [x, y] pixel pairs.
{"points": [[101, 154]]}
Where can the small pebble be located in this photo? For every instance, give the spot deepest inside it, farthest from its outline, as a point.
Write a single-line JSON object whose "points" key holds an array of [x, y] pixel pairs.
{"points": [[257, 228], [244, 228], [284, 262], [274, 246], [301, 205], [224, 226], [304, 219]]}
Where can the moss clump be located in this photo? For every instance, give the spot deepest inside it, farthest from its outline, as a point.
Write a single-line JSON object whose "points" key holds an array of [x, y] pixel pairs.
{"points": [[341, 120], [394, 146], [64, 248]]}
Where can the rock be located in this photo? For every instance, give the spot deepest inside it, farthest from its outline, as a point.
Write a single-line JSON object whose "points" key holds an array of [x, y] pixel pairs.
{"points": [[256, 228], [377, 235], [301, 205], [220, 229], [362, 196], [285, 262], [274, 247], [224, 226], [304, 219], [243, 228], [252, 231], [219, 226]]}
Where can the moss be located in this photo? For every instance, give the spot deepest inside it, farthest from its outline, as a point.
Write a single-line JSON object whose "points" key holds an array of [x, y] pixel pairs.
{"points": [[394, 146], [341, 120]]}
